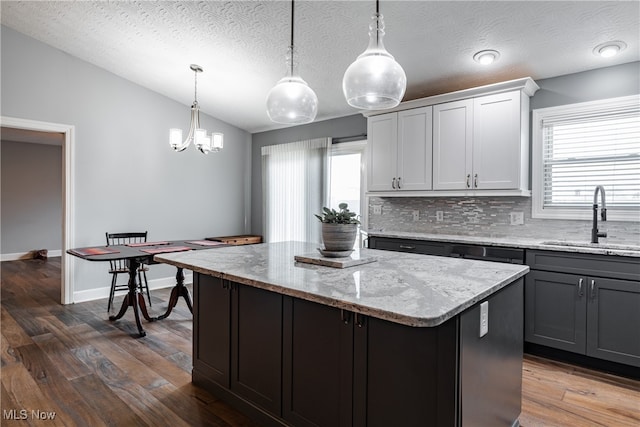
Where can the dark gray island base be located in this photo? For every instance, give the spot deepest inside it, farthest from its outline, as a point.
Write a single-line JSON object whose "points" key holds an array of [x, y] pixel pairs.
{"points": [[304, 355]]}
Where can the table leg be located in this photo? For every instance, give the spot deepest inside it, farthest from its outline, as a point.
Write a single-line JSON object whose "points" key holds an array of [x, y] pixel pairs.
{"points": [[134, 299], [179, 290]]}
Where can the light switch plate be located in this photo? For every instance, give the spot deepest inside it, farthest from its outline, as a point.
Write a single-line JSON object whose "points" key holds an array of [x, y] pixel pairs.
{"points": [[484, 318], [377, 210], [416, 215], [439, 216]]}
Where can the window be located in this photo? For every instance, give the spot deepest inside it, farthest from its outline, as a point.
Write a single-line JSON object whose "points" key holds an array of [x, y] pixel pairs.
{"points": [[579, 146], [346, 177]]}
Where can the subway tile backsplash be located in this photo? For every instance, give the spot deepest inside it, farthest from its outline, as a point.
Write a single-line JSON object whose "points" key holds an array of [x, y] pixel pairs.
{"points": [[487, 216]]}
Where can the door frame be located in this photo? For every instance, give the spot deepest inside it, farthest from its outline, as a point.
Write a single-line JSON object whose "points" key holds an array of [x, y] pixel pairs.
{"points": [[68, 173]]}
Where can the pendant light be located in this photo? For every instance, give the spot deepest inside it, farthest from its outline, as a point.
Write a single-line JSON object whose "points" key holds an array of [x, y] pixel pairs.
{"points": [[291, 100], [375, 81], [197, 135]]}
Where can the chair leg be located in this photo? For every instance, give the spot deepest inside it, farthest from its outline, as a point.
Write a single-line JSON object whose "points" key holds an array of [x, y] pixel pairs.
{"points": [[114, 277]]}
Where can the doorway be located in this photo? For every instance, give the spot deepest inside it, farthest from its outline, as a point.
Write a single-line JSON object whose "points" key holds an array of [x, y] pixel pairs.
{"points": [[68, 131]]}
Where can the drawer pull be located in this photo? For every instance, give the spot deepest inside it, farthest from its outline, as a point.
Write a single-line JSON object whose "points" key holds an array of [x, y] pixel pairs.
{"points": [[393, 183], [468, 180], [399, 186], [580, 283], [407, 247], [593, 289], [475, 181]]}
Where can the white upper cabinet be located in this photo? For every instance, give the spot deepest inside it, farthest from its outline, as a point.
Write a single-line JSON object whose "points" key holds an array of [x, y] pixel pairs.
{"points": [[500, 143], [471, 142], [452, 145], [382, 151], [478, 144], [400, 151]]}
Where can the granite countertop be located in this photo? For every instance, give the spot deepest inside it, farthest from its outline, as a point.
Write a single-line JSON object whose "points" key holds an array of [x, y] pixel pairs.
{"points": [[604, 248], [410, 289]]}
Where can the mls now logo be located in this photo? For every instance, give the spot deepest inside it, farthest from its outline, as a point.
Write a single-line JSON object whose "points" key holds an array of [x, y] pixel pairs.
{"points": [[23, 414]]}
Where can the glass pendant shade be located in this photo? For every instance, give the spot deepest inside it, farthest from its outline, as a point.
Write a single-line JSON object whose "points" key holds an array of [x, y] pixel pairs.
{"points": [[217, 141], [374, 81], [292, 101]]}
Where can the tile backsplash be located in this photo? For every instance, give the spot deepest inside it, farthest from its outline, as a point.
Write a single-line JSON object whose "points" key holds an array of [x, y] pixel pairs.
{"points": [[486, 216]]}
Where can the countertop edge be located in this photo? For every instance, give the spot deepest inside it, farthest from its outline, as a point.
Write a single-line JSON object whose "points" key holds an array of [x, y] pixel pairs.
{"points": [[515, 242], [347, 305]]}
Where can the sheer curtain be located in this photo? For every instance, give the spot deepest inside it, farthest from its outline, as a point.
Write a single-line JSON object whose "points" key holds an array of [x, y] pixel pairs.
{"points": [[295, 185]]}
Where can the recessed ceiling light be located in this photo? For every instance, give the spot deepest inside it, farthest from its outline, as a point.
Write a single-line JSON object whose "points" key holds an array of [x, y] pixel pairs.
{"points": [[486, 57], [609, 49]]}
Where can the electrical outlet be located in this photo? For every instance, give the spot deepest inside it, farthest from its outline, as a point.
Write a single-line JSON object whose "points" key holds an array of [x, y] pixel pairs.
{"points": [[416, 215], [517, 218], [377, 210], [484, 318], [439, 216]]}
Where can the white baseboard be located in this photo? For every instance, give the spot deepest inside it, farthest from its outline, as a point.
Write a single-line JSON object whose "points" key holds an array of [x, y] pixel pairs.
{"points": [[27, 255], [103, 292]]}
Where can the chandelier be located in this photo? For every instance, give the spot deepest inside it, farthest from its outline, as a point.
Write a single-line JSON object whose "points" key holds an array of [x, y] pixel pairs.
{"points": [[203, 142], [374, 81]]}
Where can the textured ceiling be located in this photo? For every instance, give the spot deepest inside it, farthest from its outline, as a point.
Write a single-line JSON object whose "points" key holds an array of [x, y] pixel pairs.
{"points": [[241, 44]]}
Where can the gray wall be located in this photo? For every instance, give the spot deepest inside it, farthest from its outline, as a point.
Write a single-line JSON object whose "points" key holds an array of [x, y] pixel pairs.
{"points": [[126, 176], [483, 216], [334, 128], [601, 83], [31, 197]]}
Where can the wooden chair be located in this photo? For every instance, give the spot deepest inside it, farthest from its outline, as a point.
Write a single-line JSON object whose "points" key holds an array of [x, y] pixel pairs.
{"points": [[119, 266]]}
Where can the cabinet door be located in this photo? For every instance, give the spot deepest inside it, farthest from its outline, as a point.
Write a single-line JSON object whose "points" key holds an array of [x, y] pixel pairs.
{"points": [[613, 322], [211, 328], [415, 146], [555, 310], [404, 376], [497, 141], [452, 139], [256, 346], [382, 143], [318, 364]]}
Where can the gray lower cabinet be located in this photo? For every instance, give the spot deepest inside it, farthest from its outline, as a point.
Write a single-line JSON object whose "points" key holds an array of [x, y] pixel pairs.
{"points": [[250, 367], [593, 313], [286, 361]]}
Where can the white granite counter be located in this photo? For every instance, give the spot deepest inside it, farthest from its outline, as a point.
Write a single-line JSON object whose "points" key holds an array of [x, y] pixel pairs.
{"points": [[414, 290], [604, 248]]}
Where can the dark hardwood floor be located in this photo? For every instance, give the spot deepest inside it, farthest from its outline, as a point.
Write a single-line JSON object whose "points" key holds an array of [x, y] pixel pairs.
{"points": [[73, 363]]}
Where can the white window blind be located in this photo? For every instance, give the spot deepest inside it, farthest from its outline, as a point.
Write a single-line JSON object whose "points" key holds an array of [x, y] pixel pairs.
{"points": [[583, 147], [295, 180]]}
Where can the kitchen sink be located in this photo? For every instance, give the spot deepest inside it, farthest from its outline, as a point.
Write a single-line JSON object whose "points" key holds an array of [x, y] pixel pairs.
{"points": [[612, 246]]}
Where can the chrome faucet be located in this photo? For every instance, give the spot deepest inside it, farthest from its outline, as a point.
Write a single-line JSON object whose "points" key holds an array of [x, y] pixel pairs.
{"points": [[603, 214]]}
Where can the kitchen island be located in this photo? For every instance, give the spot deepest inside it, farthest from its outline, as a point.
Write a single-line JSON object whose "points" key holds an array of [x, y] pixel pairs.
{"points": [[393, 342]]}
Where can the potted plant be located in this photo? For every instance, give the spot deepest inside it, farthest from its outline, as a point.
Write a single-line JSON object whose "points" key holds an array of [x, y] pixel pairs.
{"points": [[339, 228]]}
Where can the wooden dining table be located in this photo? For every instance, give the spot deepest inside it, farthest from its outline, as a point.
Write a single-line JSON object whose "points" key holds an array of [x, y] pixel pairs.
{"points": [[136, 254]]}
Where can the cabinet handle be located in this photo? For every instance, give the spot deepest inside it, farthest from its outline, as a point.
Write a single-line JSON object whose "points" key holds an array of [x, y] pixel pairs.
{"points": [[475, 181], [399, 187], [468, 180], [406, 247], [393, 183], [580, 283], [359, 320], [345, 316], [593, 289]]}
